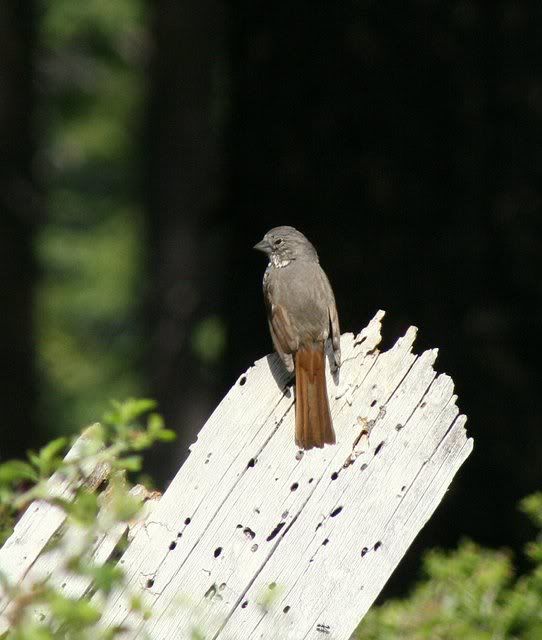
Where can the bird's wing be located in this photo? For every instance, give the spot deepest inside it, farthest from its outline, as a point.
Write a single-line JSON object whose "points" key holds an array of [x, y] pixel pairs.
{"points": [[282, 331]]}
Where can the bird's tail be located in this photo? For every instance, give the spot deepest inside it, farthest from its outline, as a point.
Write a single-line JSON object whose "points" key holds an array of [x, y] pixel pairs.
{"points": [[313, 425]]}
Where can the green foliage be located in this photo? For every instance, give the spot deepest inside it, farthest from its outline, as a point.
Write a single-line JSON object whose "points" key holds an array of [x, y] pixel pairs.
{"points": [[532, 506], [471, 593], [126, 430], [84, 508], [74, 614], [16, 470], [48, 459]]}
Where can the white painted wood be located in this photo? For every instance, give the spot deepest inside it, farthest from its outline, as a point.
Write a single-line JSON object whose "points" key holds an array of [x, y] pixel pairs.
{"points": [[255, 539], [260, 528]]}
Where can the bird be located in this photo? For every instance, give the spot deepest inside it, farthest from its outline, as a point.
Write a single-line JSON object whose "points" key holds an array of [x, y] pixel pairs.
{"points": [[302, 315]]}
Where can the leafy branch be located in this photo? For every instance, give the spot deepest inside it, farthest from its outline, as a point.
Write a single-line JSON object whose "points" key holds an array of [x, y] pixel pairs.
{"points": [[41, 611]]}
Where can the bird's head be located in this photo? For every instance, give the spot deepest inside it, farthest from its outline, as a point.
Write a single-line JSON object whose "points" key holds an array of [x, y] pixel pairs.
{"points": [[284, 244]]}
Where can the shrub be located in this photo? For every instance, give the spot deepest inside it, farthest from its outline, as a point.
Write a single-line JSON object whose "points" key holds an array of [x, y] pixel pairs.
{"points": [[42, 611], [471, 593]]}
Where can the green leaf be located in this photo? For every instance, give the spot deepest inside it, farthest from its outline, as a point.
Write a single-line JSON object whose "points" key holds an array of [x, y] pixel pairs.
{"points": [[84, 508], [49, 460], [105, 577], [119, 503], [155, 423], [15, 470], [74, 614], [139, 440], [125, 506], [128, 411], [34, 459], [155, 428], [166, 435], [130, 463], [52, 449]]}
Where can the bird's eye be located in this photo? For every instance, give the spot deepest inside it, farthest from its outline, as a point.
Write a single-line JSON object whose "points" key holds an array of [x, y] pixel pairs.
{"points": [[277, 242]]}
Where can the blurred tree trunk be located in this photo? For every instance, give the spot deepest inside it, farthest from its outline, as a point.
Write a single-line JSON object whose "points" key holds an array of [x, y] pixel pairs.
{"points": [[184, 202], [18, 220]]}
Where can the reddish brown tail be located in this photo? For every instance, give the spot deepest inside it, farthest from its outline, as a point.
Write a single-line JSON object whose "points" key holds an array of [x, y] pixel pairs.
{"points": [[313, 426]]}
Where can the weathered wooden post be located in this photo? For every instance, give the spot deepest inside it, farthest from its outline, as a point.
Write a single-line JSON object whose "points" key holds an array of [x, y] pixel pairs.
{"points": [[255, 539]]}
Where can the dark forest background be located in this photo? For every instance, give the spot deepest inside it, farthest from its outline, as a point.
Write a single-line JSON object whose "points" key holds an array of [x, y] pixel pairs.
{"points": [[146, 146]]}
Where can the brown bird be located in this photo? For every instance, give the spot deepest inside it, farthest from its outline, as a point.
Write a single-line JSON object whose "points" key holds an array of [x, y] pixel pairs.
{"points": [[302, 315]]}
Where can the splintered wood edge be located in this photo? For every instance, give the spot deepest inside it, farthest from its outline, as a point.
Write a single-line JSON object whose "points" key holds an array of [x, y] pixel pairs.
{"points": [[152, 563], [451, 429]]}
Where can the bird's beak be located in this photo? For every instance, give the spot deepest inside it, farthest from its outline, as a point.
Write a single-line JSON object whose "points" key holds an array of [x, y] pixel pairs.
{"points": [[263, 246]]}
